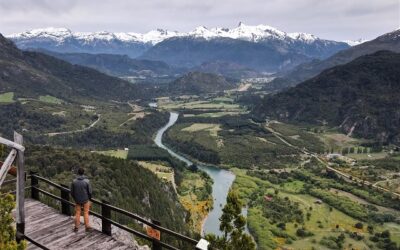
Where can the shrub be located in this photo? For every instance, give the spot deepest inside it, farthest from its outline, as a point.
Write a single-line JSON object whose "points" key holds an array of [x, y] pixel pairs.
{"points": [[359, 225], [7, 231]]}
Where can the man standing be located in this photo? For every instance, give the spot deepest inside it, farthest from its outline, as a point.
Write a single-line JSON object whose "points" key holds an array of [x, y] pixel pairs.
{"points": [[81, 192]]}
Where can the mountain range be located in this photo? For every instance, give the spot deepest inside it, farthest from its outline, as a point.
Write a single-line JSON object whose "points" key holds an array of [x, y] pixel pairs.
{"points": [[32, 74], [261, 46], [115, 65], [360, 97], [389, 41]]}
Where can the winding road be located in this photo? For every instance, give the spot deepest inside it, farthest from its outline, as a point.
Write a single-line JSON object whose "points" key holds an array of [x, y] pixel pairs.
{"points": [[78, 130], [347, 177]]}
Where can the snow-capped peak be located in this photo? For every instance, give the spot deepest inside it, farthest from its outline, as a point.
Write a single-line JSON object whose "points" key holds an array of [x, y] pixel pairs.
{"points": [[302, 36], [203, 32], [50, 32], [255, 33], [355, 42]]}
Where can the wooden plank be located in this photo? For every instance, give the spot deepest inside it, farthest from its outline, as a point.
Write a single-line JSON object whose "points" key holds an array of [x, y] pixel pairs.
{"points": [[7, 165], [12, 144], [20, 184], [54, 230]]}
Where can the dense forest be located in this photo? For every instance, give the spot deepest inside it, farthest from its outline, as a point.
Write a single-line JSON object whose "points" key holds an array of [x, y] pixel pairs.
{"points": [[123, 183], [97, 138], [16, 117]]}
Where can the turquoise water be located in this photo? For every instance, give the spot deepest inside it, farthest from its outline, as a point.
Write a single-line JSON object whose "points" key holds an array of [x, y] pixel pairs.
{"points": [[222, 179]]}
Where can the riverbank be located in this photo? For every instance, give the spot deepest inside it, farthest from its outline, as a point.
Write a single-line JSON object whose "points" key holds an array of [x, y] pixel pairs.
{"points": [[222, 180]]}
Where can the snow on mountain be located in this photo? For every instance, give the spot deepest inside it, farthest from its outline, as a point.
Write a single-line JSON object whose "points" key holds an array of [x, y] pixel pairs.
{"points": [[249, 33], [60, 34], [53, 33], [355, 42], [308, 38], [243, 32], [255, 33]]}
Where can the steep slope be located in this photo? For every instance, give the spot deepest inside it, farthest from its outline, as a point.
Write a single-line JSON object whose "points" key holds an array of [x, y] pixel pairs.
{"points": [[31, 74], [123, 183], [361, 97], [389, 41], [192, 51], [117, 65], [199, 83], [227, 69]]}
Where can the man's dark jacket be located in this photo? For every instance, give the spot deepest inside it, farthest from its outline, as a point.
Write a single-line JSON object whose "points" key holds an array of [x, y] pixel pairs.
{"points": [[81, 190]]}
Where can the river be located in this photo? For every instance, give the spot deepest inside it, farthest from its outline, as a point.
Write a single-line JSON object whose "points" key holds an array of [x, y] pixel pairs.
{"points": [[222, 180]]}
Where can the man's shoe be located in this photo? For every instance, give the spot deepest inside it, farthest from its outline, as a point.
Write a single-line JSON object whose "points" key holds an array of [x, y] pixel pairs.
{"points": [[75, 230], [88, 229]]}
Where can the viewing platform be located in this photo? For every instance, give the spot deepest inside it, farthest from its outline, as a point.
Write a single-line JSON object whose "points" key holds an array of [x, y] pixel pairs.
{"points": [[47, 228], [53, 230]]}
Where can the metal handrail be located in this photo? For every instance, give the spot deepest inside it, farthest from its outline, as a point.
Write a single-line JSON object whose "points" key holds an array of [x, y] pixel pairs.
{"points": [[26, 237], [118, 210]]}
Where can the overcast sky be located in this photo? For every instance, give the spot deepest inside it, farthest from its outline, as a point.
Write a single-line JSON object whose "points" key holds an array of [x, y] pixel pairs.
{"points": [[331, 19]]}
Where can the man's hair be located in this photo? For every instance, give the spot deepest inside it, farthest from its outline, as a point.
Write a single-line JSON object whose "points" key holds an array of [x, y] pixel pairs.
{"points": [[81, 171]]}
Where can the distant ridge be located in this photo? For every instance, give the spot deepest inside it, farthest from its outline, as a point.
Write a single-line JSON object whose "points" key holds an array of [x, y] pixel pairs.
{"points": [[389, 41], [255, 33], [32, 74]]}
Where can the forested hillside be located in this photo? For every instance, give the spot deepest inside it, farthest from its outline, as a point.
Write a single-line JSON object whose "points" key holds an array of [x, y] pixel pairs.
{"points": [[199, 83], [121, 182], [305, 71], [117, 65], [32, 74], [360, 97]]}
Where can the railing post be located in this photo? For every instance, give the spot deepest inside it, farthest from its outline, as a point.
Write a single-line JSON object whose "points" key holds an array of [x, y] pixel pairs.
{"points": [[20, 210], [65, 207], [156, 244], [106, 213], [34, 186]]}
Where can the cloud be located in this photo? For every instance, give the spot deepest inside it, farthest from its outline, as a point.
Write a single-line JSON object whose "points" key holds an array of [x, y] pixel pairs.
{"points": [[333, 19]]}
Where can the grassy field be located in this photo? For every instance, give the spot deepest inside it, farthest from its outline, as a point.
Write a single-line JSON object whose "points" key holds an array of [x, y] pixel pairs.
{"points": [[338, 140], [393, 185], [160, 169], [299, 136], [7, 97], [211, 128], [368, 156], [256, 149], [324, 220], [203, 134], [50, 99], [221, 103], [118, 153]]}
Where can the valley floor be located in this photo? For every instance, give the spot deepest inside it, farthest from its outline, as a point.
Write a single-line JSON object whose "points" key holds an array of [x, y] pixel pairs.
{"points": [[305, 187], [280, 165]]}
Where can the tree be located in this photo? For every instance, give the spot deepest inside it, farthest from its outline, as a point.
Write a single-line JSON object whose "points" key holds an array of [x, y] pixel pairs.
{"points": [[7, 231], [359, 225], [232, 225]]}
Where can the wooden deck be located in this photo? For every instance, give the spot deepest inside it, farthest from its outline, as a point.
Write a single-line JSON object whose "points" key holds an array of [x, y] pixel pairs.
{"points": [[54, 230]]}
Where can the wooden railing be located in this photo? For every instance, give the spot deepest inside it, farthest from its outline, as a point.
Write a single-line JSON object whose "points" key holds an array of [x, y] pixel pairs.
{"points": [[105, 215], [21, 235], [16, 154]]}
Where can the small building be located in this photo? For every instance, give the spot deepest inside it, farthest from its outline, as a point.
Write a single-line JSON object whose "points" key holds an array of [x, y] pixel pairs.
{"points": [[318, 202], [126, 149]]}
